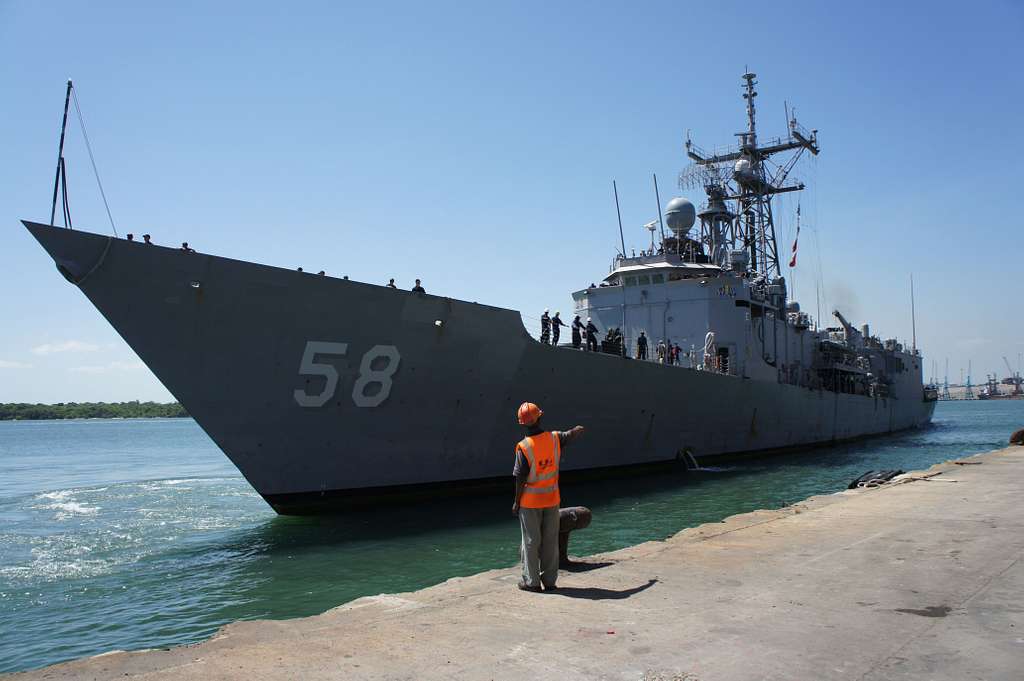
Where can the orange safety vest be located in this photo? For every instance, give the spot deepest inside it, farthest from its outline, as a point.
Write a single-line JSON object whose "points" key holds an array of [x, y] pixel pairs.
{"points": [[543, 452]]}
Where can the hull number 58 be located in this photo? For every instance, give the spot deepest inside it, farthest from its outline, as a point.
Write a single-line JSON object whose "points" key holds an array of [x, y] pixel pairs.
{"points": [[379, 364]]}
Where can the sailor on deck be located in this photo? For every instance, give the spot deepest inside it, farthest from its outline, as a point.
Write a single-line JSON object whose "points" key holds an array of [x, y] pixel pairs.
{"points": [[591, 336], [577, 332], [545, 327], [538, 459], [556, 327]]}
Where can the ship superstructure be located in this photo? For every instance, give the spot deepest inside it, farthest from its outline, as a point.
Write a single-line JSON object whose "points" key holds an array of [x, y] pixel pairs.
{"points": [[327, 392], [713, 284]]}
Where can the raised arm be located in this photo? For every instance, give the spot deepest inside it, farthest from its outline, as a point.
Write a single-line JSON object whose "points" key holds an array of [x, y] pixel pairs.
{"points": [[566, 437]]}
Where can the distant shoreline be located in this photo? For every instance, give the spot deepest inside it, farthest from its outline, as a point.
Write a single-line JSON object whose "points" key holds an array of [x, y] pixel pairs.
{"points": [[21, 411]]}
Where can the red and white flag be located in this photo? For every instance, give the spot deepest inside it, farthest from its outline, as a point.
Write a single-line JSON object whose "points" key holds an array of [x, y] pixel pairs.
{"points": [[792, 261]]}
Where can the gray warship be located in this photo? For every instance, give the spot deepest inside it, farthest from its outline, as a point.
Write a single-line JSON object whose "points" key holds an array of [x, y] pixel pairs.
{"points": [[328, 393]]}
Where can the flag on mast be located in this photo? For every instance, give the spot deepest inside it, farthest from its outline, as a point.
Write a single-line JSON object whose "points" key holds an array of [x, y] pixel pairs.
{"points": [[792, 261]]}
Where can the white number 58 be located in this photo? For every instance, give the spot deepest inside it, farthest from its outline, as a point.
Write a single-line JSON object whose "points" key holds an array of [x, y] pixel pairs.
{"points": [[368, 375]]}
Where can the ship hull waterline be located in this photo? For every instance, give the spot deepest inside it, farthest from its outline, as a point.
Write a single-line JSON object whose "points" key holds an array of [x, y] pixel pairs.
{"points": [[328, 393]]}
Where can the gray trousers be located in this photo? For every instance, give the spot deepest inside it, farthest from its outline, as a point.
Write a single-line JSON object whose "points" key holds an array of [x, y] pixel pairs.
{"points": [[540, 545]]}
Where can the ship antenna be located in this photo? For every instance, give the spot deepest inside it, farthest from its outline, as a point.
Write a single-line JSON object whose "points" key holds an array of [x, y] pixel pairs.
{"points": [[618, 212], [913, 316], [817, 297], [657, 197], [749, 96], [60, 174]]}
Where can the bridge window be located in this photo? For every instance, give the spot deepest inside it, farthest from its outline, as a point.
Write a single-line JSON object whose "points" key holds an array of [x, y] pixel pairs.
{"points": [[643, 279], [630, 281], [657, 279]]}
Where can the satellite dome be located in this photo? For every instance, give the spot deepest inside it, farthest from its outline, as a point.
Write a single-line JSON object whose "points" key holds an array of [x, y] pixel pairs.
{"points": [[680, 215], [742, 167]]}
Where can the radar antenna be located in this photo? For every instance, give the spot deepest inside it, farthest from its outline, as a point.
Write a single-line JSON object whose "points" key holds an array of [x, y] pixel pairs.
{"points": [[740, 182]]}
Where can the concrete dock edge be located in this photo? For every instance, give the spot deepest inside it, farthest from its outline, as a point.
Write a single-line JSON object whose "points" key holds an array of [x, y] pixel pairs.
{"points": [[921, 579]]}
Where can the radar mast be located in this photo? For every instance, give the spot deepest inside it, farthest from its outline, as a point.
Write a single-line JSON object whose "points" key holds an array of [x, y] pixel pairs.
{"points": [[737, 226]]}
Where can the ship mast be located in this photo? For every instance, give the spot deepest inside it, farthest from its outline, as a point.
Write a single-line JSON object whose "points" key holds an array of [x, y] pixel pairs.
{"points": [[737, 223]]}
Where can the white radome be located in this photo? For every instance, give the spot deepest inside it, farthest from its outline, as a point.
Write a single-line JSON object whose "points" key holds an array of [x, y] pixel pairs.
{"points": [[680, 214]]}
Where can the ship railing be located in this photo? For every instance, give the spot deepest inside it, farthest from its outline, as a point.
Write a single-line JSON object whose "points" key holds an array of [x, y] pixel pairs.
{"points": [[687, 360], [696, 150], [713, 153], [798, 130]]}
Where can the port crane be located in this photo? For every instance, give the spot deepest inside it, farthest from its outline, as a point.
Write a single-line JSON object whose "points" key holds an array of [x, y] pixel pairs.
{"points": [[1015, 378]]}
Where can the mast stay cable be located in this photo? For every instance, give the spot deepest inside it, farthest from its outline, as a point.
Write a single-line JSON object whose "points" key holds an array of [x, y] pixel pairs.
{"points": [[92, 160]]}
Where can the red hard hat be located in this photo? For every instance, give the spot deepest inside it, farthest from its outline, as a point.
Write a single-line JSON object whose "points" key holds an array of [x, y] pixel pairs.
{"points": [[529, 413]]}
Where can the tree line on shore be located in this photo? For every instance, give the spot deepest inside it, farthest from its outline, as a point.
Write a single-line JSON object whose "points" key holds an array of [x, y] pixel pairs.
{"points": [[90, 410]]}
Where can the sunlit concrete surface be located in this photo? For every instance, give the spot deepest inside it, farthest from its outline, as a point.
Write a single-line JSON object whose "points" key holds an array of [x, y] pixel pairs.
{"points": [[921, 580]]}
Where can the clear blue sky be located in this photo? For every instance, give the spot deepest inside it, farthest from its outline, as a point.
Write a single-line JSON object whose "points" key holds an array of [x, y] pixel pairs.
{"points": [[475, 147]]}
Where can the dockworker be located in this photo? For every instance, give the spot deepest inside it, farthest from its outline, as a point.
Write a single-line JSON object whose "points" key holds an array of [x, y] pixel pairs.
{"points": [[556, 327], [391, 283], [641, 346], [577, 332], [545, 327], [591, 336], [538, 459], [418, 288]]}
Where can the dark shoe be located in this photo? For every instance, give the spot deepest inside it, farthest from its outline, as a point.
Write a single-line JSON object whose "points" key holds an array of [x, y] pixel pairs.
{"points": [[523, 586], [551, 588]]}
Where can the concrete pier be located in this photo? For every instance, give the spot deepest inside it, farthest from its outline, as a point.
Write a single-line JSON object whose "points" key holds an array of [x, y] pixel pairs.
{"points": [[919, 580]]}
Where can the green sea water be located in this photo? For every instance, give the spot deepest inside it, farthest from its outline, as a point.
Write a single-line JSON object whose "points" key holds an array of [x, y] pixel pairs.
{"points": [[127, 534]]}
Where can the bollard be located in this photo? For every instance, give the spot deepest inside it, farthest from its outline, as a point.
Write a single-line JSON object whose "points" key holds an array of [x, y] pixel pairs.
{"points": [[569, 519]]}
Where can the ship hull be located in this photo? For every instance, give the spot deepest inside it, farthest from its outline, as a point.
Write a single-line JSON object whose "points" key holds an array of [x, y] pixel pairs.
{"points": [[327, 392]]}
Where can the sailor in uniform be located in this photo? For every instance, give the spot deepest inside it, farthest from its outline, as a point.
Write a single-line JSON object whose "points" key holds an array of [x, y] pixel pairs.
{"points": [[591, 336], [556, 330]]}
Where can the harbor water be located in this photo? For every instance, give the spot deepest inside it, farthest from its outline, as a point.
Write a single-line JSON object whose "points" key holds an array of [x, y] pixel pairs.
{"points": [[129, 534]]}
